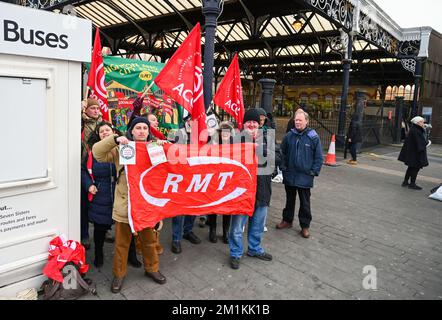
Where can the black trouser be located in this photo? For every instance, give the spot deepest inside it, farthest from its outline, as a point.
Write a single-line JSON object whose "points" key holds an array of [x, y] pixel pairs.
{"points": [[211, 218], [99, 234], [304, 215], [411, 174], [353, 149]]}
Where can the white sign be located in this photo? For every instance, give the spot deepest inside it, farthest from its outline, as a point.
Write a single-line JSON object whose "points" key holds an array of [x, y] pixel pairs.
{"points": [[38, 33], [128, 153], [156, 154], [212, 122]]}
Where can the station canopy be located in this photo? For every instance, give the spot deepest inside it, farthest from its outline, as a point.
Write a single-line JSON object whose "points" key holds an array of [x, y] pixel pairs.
{"points": [[292, 41]]}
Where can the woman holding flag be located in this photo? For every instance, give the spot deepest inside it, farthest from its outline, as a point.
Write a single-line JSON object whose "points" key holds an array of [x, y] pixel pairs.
{"points": [[107, 150]]}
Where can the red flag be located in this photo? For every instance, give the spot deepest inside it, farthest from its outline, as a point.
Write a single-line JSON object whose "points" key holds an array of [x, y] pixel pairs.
{"points": [[153, 102], [62, 251], [96, 77], [229, 94], [182, 79], [223, 181], [157, 134]]}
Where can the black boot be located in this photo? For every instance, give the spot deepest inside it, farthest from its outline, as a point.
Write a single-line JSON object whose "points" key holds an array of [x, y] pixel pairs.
{"points": [[226, 226], [99, 234], [212, 235], [414, 186], [225, 237], [99, 258], [132, 257]]}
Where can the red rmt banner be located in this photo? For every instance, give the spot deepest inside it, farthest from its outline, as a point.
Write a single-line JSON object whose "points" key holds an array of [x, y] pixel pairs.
{"points": [[218, 179]]}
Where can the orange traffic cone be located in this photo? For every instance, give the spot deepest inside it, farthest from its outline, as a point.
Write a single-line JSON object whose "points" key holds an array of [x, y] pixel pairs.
{"points": [[331, 155]]}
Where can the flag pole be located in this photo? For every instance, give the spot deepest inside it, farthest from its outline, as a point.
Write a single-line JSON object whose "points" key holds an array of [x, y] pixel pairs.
{"points": [[148, 89]]}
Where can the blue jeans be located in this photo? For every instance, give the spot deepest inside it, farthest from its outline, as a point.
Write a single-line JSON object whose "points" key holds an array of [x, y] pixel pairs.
{"points": [[180, 224], [254, 235]]}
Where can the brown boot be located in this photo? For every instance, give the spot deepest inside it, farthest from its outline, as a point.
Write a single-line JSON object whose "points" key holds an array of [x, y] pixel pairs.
{"points": [[117, 284], [305, 233], [284, 225], [156, 276]]}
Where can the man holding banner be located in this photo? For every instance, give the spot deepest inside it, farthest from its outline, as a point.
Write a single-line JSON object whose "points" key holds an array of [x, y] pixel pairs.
{"points": [[262, 199], [107, 151]]}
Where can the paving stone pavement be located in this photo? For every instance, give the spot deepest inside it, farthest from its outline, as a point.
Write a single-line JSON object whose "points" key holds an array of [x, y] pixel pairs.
{"points": [[361, 217]]}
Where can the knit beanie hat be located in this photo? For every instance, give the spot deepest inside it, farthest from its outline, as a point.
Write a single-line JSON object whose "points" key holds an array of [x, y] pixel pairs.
{"points": [[92, 102], [133, 124], [251, 115], [262, 112]]}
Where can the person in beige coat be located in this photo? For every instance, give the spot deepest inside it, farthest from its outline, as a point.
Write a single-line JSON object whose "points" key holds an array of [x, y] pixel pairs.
{"points": [[90, 116], [107, 150]]}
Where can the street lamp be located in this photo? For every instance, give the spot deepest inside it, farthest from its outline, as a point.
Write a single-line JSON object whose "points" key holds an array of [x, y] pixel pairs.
{"points": [[297, 24], [159, 43]]}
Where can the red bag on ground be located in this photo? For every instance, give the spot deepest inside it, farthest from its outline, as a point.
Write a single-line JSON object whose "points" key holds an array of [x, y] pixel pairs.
{"points": [[62, 251]]}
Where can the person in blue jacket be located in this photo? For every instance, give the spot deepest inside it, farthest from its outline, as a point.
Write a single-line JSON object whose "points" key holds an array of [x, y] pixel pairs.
{"points": [[302, 159], [98, 180]]}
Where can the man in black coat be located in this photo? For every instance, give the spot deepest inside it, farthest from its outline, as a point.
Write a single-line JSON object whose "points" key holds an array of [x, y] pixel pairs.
{"points": [[414, 152], [354, 137]]}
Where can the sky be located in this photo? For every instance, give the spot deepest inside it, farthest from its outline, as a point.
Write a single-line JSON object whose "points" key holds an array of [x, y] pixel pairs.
{"points": [[412, 13]]}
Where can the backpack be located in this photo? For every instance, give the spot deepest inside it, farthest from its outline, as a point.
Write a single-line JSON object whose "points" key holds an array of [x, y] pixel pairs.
{"points": [[73, 287]]}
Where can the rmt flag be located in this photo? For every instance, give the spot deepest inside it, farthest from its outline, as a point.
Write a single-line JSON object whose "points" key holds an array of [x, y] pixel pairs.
{"points": [[96, 77], [182, 80], [219, 179], [229, 95]]}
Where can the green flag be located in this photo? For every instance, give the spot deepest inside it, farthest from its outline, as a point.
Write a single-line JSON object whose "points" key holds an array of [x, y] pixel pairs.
{"points": [[125, 79], [134, 74]]}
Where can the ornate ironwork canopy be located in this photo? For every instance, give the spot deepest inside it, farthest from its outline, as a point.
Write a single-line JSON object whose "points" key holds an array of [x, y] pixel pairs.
{"points": [[293, 41]]}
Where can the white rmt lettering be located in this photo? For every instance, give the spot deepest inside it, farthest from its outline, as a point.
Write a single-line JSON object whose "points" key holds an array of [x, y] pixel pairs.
{"points": [[172, 181], [223, 176], [196, 183]]}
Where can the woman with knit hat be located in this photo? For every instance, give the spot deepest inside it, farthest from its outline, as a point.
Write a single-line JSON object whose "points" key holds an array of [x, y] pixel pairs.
{"points": [[107, 150], [414, 152]]}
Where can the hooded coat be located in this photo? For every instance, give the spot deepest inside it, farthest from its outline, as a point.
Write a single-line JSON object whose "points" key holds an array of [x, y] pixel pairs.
{"points": [[414, 150]]}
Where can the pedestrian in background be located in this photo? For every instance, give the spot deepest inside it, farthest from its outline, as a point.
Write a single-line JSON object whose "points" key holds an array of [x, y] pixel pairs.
{"points": [[354, 136], [414, 152]]}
